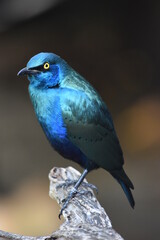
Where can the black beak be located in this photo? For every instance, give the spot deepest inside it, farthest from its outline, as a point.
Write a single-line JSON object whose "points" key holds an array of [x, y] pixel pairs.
{"points": [[26, 71]]}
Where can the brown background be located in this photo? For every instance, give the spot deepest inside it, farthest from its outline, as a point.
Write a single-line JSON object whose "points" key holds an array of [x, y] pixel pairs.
{"points": [[116, 46]]}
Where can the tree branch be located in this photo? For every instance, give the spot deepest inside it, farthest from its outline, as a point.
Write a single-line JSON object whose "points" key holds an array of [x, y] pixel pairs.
{"points": [[85, 219]]}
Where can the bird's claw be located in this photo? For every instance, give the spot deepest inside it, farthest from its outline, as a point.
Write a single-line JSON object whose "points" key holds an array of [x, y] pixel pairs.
{"points": [[66, 184], [89, 185], [83, 192], [60, 214], [70, 196], [66, 201], [69, 183]]}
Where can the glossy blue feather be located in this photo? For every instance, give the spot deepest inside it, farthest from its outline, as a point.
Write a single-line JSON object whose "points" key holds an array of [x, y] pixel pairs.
{"points": [[74, 117], [46, 105]]}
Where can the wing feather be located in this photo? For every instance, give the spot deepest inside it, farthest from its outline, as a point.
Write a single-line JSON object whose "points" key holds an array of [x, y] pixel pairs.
{"points": [[90, 126]]}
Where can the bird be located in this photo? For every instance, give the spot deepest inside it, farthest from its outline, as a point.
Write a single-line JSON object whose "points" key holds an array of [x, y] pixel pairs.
{"points": [[75, 119]]}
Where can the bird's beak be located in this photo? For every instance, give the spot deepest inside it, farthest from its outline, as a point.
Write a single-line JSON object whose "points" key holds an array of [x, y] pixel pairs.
{"points": [[27, 71]]}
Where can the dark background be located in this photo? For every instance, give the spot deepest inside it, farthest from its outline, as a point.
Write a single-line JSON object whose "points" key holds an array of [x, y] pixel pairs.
{"points": [[115, 46]]}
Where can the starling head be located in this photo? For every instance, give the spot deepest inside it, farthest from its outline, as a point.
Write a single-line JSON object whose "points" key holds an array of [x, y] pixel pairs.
{"points": [[44, 70]]}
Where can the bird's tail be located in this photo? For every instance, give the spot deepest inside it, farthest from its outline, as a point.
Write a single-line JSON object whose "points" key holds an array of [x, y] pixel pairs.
{"points": [[125, 183], [128, 193]]}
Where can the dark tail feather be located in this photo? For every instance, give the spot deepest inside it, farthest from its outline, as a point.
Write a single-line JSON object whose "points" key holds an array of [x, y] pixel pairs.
{"points": [[128, 193], [125, 183], [119, 174]]}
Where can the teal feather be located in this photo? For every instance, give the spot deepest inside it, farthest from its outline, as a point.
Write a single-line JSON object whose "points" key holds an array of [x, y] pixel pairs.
{"points": [[74, 117]]}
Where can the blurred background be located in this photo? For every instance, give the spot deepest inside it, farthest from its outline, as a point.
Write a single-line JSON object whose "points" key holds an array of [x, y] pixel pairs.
{"points": [[116, 46]]}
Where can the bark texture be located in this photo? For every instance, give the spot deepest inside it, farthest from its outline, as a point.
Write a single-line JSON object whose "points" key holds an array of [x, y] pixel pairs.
{"points": [[84, 217]]}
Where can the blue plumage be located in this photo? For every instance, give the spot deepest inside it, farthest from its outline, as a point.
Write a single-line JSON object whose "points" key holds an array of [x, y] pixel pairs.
{"points": [[74, 118]]}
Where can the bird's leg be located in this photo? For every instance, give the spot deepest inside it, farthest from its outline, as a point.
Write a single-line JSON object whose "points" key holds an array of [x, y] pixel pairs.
{"points": [[73, 191]]}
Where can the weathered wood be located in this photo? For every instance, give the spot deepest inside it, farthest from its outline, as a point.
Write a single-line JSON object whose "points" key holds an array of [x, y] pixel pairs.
{"points": [[84, 217]]}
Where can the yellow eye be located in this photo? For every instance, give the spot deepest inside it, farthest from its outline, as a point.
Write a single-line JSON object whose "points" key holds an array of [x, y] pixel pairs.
{"points": [[46, 66]]}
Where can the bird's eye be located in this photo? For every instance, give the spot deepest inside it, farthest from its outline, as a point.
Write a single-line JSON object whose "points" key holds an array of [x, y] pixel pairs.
{"points": [[46, 66]]}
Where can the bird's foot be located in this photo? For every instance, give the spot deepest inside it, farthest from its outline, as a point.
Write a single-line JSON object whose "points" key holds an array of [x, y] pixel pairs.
{"points": [[91, 186], [84, 192], [71, 195], [69, 183], [67, 200]]}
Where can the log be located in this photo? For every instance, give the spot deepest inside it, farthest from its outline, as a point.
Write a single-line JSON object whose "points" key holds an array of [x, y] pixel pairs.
{"points": [[84, 217]]}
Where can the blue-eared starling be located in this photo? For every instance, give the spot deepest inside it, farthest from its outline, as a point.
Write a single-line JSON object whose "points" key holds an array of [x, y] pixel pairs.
{"points": [[75, 119]]}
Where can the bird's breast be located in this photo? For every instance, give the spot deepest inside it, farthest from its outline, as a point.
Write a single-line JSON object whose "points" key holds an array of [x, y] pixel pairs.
{"points": [[48, 111]]}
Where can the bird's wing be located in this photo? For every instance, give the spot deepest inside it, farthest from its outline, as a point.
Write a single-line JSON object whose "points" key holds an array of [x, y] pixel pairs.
{"points": [[90, 127]]}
